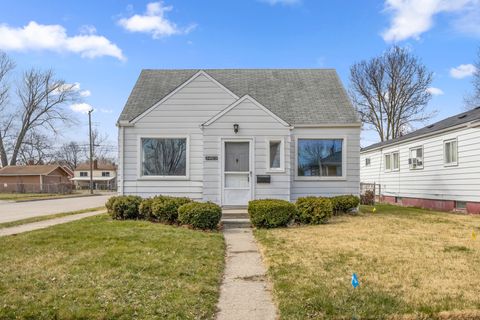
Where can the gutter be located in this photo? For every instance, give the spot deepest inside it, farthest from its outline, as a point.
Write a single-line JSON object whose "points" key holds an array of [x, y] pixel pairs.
{"points": [[472, 124]]}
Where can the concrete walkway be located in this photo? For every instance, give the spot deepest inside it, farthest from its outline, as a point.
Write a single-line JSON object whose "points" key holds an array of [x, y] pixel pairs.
{"points": [[245, 292], [46, 223], [23, 210]]}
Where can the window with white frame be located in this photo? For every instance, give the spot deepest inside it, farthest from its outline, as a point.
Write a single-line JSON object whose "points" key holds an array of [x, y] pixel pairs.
{"points": [[275, 155], [367, 162], [83, 174], [164, 156], [319, 157], [105, 173], [450, 152], [416, 158], [388, 162], [395, 161], [392, 161]]}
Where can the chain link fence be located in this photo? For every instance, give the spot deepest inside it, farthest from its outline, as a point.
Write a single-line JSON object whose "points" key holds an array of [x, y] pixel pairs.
{"points": [[60, 188]]}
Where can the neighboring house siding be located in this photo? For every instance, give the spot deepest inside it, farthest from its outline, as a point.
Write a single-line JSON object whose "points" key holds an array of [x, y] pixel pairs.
{"points": [[181, 114], [349, 185], [258, 125], [56, 176], [436, 180]]}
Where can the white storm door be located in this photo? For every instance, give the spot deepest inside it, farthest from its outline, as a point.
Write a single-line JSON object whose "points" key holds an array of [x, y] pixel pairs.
{"points": [[237, 184]]}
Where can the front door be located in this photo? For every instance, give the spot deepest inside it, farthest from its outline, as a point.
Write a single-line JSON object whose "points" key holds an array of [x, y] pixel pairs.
{"points": [[237, 190]]}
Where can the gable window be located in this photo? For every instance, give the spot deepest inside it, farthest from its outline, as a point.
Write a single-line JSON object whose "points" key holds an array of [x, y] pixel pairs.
{"points": [[450, 152], [164, 157], [105, 174], [83, 173], [388, 162], [275, 155], [320, 158], [416, 158], [367, 162]]}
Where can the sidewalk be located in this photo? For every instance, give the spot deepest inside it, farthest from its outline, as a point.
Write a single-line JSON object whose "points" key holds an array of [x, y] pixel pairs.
{"points": [[245, 291], [46, 223]]}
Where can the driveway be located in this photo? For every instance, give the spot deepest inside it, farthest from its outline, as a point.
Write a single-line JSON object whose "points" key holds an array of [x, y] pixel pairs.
{"points": [[11, 211]]}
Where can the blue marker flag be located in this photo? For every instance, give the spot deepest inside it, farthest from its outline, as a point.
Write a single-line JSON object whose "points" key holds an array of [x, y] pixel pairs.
{"points": [[355, 282]]}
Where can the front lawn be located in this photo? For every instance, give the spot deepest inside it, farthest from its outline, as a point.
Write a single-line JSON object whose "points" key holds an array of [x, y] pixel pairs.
{"points": [[411, 263], [97, 268]]}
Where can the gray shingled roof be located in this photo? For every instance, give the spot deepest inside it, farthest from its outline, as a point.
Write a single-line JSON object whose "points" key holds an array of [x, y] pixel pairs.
{"points": [[452, 121], [298, 96]]}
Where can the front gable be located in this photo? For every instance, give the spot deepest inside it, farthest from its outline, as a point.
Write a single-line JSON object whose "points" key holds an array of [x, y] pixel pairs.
{"points": [[200, 89], [246, 102]]}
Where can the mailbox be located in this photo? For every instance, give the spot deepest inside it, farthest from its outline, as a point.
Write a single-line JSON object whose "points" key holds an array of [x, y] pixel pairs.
{"points": [[263, 178]]}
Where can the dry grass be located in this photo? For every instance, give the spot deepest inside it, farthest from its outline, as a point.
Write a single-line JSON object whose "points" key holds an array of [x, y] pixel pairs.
{"points": [[411, 263]]}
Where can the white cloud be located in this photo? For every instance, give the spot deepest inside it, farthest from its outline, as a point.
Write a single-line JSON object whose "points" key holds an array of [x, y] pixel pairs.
{"points": [[282, 2], [85, 93], [75, 87], [106, 110], [463, 71], [154, 22], [411, 18], [38, 37], [435, 91], [81, 107]]}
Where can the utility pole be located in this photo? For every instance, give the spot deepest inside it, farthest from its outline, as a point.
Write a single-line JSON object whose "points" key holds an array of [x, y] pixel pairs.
{"points": [[91, 149]]}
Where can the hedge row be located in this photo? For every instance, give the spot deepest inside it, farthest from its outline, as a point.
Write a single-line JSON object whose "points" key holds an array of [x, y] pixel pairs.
{"points": [[165, 209], [272, 213]]}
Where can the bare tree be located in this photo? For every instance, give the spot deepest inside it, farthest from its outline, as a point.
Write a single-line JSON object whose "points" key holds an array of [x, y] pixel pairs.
{"points": [[390, 92], [101, 146], [42, 99], [6, 118], [473, 100], [36, 149], [70, 154]]}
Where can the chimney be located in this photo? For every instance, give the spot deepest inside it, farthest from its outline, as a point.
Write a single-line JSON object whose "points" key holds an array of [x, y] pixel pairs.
{"points": [[31, 162], [95, 164]]}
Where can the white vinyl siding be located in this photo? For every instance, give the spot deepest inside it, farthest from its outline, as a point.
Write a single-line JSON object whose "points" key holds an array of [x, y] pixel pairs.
{"points": [[256, 124], [180, 115], [436, 180]]}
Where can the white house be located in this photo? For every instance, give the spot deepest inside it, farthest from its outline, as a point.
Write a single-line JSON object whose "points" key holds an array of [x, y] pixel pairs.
{"points": [[104, 175], [435, 167], [232, 135]]}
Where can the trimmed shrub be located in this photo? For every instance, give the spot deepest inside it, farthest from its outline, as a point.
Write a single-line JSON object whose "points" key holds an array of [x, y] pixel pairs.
{"points": [[368, 198], [271, 213], [126, 207], [344, 203], [200, 215], [314, 210], [165, 209], [109, 203], [145, 208]]}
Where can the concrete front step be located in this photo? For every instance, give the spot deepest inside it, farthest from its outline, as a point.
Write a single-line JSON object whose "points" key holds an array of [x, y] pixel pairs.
{"points": [[236, 223], [234, 213]]}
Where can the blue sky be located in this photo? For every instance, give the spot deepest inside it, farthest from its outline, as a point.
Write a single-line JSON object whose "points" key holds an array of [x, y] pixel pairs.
{"points": [[103, 45]]}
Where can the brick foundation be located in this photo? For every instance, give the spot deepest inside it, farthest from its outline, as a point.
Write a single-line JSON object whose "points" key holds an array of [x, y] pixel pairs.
{"points": [[439, 205]]}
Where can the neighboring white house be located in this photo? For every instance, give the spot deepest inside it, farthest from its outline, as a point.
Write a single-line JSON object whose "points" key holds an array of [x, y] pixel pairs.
{"points": [[232, 135], [104, 175], [435, 167]]}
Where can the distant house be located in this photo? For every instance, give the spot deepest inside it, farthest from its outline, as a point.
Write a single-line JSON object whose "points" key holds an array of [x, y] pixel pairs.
{"points": [[34, 178], [233, 135], [104, 175], [435, 167]]}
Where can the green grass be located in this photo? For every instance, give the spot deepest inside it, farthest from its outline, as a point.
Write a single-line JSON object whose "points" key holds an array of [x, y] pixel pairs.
{"points": [[97, 268], [48, 217], [411, 263], [34, 196]]}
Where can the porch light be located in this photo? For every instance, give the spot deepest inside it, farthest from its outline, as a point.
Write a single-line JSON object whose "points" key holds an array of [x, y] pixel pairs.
{"points": [[235, 128]]}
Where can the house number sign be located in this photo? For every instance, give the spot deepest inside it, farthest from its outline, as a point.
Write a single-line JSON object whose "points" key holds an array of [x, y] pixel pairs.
{"points": [[210, 158]]}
